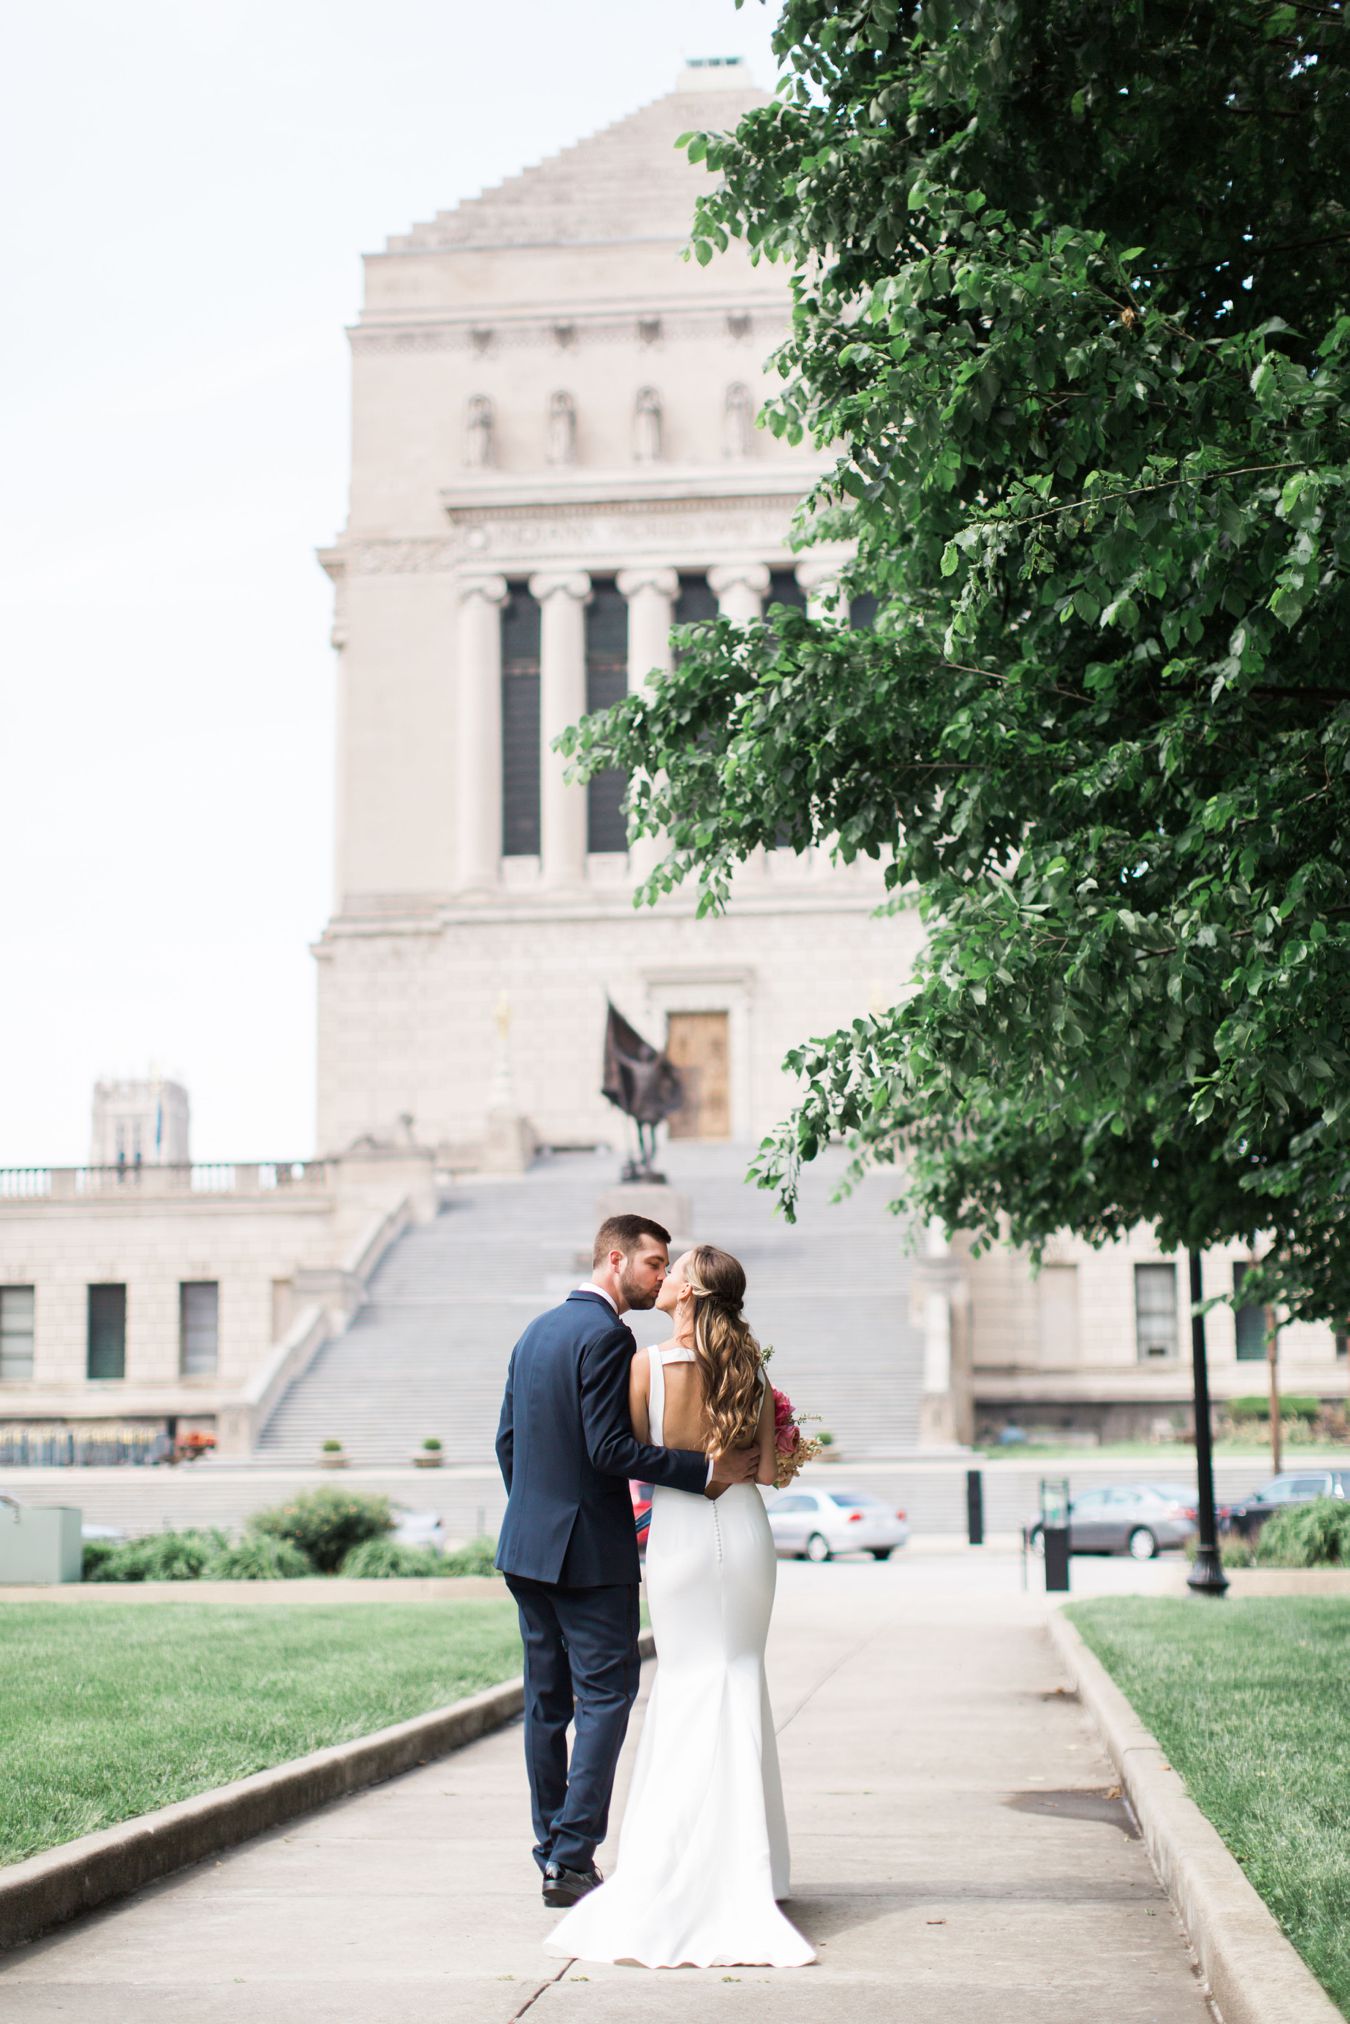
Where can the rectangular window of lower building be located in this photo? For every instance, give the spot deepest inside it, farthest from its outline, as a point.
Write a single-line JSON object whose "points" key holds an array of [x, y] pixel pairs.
{"points": [[1250, 1324], [1155, 1311], [16, 1333], [107, 1350], [198, 1327]]}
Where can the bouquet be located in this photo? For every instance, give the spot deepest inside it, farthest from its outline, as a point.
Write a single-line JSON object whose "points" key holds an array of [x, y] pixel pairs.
{"points": [[794, 1449]]}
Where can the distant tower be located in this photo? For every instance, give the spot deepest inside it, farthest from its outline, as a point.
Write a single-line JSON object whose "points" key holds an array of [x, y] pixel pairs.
{"points": [[140, 1124]]}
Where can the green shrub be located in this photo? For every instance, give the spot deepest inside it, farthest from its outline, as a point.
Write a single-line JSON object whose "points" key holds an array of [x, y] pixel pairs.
{"points": [[330, 1447], [1307, 1535], [432, 1445], [160, 1556], [1234, 1550], [475, 1558], [259, 1557], [325, 1524], [1293, 1406], [97, 1553], [386, 1560]]}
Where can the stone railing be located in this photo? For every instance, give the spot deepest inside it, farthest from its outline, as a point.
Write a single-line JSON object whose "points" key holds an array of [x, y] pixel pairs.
{"points": [[328, 1298], [250, 1178]]}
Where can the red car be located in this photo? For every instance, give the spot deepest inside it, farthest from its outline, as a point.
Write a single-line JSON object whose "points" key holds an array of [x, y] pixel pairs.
{"points": [[641, 1494]]}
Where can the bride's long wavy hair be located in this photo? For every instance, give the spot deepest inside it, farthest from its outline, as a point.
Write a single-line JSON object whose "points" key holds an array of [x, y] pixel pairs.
{"points": [[724, 1343]]}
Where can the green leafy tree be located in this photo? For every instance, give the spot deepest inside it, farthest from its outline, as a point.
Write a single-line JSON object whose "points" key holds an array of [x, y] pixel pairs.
{"points": [[1069, 309]]}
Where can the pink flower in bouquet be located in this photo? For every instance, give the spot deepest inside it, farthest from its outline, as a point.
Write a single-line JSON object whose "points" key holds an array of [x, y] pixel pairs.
{"points": [[787, 1434], [792, 1449]]}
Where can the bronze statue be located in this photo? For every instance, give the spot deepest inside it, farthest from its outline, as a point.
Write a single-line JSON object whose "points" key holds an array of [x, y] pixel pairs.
{"points": [[644, 1084]]}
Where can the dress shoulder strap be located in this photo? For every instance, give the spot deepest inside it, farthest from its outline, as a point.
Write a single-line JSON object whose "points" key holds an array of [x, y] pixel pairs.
{"points": [[656, 1398], [677, 1354]]}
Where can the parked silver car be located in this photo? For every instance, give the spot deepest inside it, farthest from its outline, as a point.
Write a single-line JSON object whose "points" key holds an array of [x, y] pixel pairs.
{"points": [[1140, 1519], [417, 1528], [818, 1524]]}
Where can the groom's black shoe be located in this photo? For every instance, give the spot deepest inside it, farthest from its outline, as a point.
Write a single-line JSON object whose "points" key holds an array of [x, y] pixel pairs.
{"points": [[563, 1887]]}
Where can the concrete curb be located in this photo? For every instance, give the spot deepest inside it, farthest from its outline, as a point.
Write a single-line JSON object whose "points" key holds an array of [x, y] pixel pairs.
{"points": [[62, 1883], [310, 1588], [1254, 1974]]}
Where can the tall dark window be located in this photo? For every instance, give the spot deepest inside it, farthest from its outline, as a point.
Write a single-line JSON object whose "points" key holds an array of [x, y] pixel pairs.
{"points": [[520, 724], [862, 612], [606, 683], [107, 1343], [1251, 1325], [785, 589], [695, 601]]}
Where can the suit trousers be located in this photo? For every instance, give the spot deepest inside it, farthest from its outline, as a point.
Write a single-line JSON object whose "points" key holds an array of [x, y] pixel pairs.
{"points": [[581, 1663]]}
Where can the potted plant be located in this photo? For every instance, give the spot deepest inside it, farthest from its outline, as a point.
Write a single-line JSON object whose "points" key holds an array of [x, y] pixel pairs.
{"points": [[430, 1455], [331, 1455], [829, 1447]]}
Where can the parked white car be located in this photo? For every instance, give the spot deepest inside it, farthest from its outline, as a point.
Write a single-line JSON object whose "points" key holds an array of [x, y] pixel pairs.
{"points": [[417, 1528], [818, 1524]]}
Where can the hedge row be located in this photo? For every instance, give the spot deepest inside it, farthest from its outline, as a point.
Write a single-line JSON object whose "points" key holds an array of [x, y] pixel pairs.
{"points": [[319, 1532]]}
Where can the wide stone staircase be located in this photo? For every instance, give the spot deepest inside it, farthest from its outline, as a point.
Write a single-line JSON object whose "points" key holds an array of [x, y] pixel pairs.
{"points": [[427, 1354]]}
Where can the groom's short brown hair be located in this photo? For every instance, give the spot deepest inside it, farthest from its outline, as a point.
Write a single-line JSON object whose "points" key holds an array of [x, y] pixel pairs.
{"points": [[625, 1233]]}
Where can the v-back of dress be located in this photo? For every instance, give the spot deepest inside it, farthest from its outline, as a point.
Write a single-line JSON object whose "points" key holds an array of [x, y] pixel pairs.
{"points": [[703, 1853]]}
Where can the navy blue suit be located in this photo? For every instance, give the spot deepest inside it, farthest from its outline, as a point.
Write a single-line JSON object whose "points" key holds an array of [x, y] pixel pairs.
{"points": [[566, 1448]]}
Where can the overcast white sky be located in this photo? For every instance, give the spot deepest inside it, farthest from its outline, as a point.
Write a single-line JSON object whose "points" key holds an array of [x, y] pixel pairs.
{"points": [[187, 188]]}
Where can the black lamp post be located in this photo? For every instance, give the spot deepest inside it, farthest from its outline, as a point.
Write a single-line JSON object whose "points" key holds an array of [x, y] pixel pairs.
{"points": [[1206, 1576]]}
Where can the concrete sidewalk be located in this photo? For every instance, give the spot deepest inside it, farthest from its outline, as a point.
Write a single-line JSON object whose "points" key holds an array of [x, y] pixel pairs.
{"points": [[956, 1861]]}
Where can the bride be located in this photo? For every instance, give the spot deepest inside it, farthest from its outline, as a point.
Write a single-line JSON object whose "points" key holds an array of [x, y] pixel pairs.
{"points": [[703, 1853]]}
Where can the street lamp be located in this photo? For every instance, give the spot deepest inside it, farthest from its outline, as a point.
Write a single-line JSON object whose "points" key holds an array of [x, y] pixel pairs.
{"points": [[1206, 1576]]}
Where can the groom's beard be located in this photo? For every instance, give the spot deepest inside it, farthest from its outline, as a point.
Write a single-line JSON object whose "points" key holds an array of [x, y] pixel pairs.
{"points": [[634, 1296]]}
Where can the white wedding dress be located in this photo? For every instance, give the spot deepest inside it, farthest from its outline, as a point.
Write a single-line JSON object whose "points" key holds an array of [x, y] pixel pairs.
{"points": [[703, 1853]]}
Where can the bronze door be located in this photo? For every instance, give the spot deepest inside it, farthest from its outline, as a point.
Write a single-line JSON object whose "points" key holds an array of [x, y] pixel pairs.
{"points": [[699, 1045]]}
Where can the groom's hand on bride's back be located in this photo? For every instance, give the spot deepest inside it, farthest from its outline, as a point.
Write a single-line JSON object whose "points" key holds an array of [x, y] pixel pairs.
{"points": [[733, 1465]]}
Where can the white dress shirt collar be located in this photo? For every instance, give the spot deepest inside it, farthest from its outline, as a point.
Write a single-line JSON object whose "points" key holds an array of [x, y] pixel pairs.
{"points": [[591, 1287]]}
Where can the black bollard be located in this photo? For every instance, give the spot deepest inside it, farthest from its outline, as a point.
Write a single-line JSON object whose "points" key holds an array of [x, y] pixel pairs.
{"points": [[975, 1507], [1055, 1540]]}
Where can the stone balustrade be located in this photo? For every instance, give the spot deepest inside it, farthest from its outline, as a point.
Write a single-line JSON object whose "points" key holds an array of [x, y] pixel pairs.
{"points": [[245, 1179]]}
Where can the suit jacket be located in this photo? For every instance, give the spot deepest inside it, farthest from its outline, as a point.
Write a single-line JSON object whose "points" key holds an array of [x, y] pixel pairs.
{"points": [[566, 1449]]}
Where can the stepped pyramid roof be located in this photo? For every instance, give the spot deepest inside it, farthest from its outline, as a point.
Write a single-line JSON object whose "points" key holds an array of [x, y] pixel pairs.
{"points": [[626, 182]]}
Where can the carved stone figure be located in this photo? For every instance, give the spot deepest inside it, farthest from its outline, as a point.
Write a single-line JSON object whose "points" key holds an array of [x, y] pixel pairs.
{"points": [[562, 428], [647, 426], [738, 419], [478, 432]]}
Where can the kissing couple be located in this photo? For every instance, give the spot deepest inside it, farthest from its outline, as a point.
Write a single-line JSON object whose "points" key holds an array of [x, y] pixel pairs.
{"points": [[703, 1853]]}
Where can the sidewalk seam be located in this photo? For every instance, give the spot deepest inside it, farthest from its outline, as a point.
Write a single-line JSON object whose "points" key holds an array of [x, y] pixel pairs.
{"points": [[78, 1876], [1255, 1975]]}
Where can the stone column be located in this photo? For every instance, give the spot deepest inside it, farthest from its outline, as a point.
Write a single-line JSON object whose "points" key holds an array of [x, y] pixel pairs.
{"points": [[740, 589], [940, 1296], [651, 595], [820, 581], [563, 597], [478, 734]]}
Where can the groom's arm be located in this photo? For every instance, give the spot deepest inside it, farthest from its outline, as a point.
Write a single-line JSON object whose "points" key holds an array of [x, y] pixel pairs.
{"points": [[613, 1447], [506, 1428]]}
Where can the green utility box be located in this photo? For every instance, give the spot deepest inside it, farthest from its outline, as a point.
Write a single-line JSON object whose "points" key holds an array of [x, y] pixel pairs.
{"points": [[40, 1545]]}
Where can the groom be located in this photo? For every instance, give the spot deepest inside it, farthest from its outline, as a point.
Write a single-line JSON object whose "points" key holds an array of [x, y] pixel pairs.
{"points": [[568, 1549]]}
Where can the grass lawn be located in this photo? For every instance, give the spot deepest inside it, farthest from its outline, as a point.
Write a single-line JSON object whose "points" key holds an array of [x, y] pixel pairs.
{"points": [[1251, 1702], [108, 1711]]}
